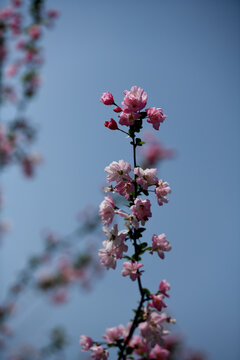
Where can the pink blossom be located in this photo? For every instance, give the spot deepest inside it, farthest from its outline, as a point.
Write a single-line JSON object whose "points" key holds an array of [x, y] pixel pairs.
{"points": [[138, 344], [152, 329], [53, 14], [146, 177], [159, 353], [113, 334], [99, 353], [106, 210], [162, 190], [107, 256], [124, 188], [17, 3], [135, 99], [154, 151], [157, 302], [86, 342], [107, 98], [35, 32], [155, 117], [164, 287], [112, 125], [116, 241], [128, 118], [131, 269], [12, 69], [160, 244], [141, 209], [118, 171]]}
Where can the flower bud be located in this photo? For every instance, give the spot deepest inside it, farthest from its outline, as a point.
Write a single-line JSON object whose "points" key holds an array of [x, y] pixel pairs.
{"points": [[112, 125], [107, 98], [117, 109]]}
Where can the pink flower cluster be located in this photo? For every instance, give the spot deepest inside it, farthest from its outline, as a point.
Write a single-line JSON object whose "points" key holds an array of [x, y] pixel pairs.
{"points": [[133, 103]]}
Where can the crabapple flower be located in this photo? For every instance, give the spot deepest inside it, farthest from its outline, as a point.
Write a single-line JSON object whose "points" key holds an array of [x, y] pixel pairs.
{"points": [[160, 244], [124, 188], [164, 286], [131, 269], [159, 353], [141, 209], [107, 257], [35, 32], [135, 99], [113, 334], [157, 302], [155, 117], [128, 118], [115, 243], [106, 210], [146, 177], [162, 190], [86, 342], [118, 171], [152, 330], [107, 98], [112, 125], [99, 353], [138, 344]]}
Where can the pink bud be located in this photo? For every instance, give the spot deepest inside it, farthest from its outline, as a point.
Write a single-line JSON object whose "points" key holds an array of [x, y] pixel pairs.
{"points": [[112, 125], [107, 98], [117, 109]]}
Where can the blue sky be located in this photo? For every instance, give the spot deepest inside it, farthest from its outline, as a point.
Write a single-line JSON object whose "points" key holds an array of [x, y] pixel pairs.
{"points": [[185, 54]]}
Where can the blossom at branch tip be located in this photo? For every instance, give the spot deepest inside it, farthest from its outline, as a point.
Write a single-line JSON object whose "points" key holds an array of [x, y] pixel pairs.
{"points": [[118, 171], [146, 177], [112, 125], [99, 353], [164, 286], [159, 353], [131, 269], [107, 98], [160, 244], [141, 209], [155, 117], [117, 109], [162, 190], [134, 100], [86, 342], [157, 302], [106, 210]]}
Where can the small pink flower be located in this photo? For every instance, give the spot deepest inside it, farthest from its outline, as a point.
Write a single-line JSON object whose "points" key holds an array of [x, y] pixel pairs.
{"points": [[128, 118], [113, 334], [162, 190], [35, 32], [53, 14], [135, 99], [155, 117], [86, 342], [99, 353], [159, 353], [12, 69], [107, 256], [141, 209], [164, 287], [118, 171], [160, 244], [138, 344], [157, 302], [106, 210], [112, 125], [146, 177], [131, 269], [107, 98], [152, 329], [124, 188]]}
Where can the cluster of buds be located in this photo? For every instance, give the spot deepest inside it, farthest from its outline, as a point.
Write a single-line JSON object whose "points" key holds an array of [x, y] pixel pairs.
{"points": [[134, 183]]}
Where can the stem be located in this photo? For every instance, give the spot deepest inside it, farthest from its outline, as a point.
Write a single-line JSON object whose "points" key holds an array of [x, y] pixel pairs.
{"points": [[122, 356]]}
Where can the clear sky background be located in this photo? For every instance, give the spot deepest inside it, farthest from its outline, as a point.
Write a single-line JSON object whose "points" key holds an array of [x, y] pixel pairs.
{"points": [[186, 55]]}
